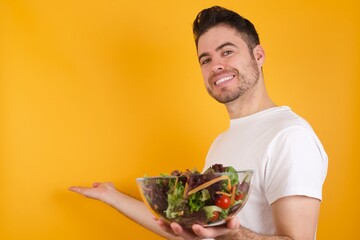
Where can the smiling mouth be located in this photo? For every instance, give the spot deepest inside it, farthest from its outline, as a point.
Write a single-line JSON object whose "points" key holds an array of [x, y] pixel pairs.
{"points": [[224, 79]]}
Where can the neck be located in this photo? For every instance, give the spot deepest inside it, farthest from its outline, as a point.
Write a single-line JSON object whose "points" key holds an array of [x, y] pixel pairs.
{"points": [[254, 100]]}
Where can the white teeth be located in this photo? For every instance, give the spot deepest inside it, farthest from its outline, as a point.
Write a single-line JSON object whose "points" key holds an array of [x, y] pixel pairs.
{"points": [[223, 80]]}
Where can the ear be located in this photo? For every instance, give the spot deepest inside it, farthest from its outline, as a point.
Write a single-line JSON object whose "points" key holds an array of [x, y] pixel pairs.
{"points": [[259, 55]]}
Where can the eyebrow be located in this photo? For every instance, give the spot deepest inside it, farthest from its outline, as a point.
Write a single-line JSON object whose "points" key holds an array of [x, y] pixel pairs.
{"points": [[217, 49]]}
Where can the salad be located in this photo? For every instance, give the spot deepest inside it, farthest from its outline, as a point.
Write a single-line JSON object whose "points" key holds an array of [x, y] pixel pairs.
{"points": [[191, 197]]}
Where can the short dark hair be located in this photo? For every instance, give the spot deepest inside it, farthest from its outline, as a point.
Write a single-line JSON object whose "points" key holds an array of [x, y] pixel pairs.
{"points": [[211, 17]]}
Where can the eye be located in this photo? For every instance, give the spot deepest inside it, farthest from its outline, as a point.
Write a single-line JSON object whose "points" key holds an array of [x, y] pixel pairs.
{"points": [[205, 61], [228, 52]]}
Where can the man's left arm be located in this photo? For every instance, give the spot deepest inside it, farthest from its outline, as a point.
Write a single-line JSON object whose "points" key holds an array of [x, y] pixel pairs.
{"points": [[295, 218]]}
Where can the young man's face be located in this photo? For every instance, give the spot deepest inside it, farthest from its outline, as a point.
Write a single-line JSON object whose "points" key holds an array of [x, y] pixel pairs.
{"points": [[229, 69]]}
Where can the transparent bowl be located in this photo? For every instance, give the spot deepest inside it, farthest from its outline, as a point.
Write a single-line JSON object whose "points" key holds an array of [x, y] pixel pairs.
{"points": [[205, 199]]}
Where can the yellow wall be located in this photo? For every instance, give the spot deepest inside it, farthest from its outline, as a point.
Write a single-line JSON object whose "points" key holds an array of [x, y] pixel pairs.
{"points": [[110, 90]]}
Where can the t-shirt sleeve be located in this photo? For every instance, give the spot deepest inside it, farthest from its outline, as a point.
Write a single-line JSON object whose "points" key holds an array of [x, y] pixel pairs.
{"points": [[297, 165]]}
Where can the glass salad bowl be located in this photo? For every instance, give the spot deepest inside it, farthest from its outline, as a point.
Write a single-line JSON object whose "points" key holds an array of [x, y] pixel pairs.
{"points": [[191, 198]]}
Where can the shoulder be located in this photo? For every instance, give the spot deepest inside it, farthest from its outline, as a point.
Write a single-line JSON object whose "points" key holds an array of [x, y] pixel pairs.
{"points": [[284, 117], [287, 126], [292, 133]]}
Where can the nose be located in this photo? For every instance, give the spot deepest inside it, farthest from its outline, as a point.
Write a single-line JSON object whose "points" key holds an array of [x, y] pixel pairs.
{"points": [[217, 67]]}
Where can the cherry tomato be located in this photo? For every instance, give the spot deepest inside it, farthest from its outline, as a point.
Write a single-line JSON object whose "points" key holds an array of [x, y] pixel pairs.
{"points": [[215, 217], [239, 196], [223, 202]]}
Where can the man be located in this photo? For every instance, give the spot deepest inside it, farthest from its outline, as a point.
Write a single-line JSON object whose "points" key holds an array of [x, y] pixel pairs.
{"points": [[288, 160]]}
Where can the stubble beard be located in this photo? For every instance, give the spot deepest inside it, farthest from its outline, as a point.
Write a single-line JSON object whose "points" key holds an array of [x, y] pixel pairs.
{"points": [[247, 79]]}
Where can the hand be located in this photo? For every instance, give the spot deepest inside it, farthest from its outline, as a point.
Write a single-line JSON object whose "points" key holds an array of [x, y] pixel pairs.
{"points": [[199, 232], [98, 191]]}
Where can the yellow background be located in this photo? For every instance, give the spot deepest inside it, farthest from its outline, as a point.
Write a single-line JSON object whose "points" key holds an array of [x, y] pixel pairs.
{"points": [[111, 90]]}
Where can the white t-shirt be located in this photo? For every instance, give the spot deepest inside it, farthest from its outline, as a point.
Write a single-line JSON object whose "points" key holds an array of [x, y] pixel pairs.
{"points": [[283, 151]]}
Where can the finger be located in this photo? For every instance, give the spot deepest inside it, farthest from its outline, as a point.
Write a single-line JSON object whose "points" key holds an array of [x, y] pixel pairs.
{"points": [[204, 232], [85, 191], [214, 231], [233, 223], [103, 185], [76, 189], [182, 232], [165, 227]]}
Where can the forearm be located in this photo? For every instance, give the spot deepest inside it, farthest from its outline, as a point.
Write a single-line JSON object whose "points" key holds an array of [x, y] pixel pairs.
{"points": [[245, 234], [135, 210]]}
